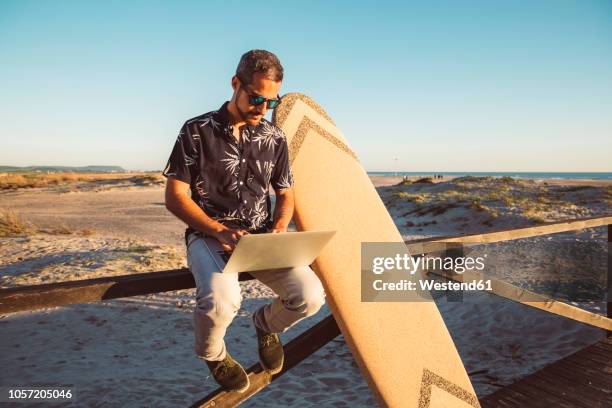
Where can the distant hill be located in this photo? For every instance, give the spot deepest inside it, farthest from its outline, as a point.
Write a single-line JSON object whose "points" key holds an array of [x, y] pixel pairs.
{"points": [[106, 169]]}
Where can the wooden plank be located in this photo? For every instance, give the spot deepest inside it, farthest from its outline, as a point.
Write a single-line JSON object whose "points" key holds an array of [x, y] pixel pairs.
{"points": [[603, 347], [599, 356], [496, 399], [609, 280], [90, 290], [544, 397], [592, 373], [605, 344], [537, 396], [296, 351], [531, 299], [573, 374], [576, 381], [594, 349], [582, 360], [507, 402], [577, 367], [573, 392], [512, 397], [507, 234], [34, 297]]}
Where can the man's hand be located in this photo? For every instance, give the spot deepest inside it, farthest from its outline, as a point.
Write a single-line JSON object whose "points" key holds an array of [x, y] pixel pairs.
{"points": [[229, 237]]}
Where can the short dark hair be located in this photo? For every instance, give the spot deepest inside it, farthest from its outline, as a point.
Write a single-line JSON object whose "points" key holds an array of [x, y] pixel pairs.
{"points": [[259, 61]]}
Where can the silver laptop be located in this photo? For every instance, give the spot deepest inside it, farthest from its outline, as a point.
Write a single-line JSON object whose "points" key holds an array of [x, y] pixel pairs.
{"points": [[256, 252]]}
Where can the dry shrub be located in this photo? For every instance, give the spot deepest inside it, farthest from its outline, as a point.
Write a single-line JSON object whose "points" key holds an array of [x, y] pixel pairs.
{"points": [[62, 229], [13, 181], [411, 197], [148, 179], [87, 232], [536, 219], [404, 182], [424, 180], [12, 224]]}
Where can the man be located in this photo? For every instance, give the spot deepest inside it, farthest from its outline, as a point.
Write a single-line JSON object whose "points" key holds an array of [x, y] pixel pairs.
{"points": [[218, 178]]}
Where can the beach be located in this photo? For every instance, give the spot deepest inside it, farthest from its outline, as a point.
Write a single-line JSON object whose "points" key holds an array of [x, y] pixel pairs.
{"points": [[138, 351]]}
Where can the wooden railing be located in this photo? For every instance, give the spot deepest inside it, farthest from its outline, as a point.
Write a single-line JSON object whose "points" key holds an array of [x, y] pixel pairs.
{"points": [[34, 297]]}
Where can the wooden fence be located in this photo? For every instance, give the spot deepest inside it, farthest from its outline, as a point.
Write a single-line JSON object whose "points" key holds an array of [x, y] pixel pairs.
{"points": [[36, 297]]}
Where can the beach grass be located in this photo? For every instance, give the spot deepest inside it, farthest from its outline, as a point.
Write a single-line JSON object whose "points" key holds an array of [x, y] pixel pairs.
{"points": [[424, 180], [491, 197], [23, 180], [12, 224]]}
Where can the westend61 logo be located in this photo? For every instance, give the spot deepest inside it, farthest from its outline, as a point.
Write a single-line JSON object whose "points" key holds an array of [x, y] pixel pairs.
{"points": [[390, 273]]}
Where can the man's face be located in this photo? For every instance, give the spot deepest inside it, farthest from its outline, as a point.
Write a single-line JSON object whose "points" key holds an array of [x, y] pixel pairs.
{"points": [[260, 86]]}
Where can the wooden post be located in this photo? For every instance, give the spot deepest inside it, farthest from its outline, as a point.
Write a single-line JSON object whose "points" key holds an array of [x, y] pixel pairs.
{"points": [[609, 281]]}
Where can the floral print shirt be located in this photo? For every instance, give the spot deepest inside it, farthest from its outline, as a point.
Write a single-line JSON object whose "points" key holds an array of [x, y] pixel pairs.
{"points": [[230, 179]]}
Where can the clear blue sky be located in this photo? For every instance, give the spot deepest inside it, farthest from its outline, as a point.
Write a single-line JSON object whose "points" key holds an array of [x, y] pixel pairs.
{"points": [[440, 86]]}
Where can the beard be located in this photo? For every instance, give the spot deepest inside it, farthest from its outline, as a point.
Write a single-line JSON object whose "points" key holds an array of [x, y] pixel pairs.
{"points": [[252, 117]]}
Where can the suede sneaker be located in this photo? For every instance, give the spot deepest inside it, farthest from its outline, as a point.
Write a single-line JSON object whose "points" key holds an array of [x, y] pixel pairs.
{"points": [[229, 374], [271, 354]]}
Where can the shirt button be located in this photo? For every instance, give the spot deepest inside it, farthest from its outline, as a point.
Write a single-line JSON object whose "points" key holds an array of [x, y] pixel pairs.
{"points": [[245, 201], [241, 183], [243, 160]]}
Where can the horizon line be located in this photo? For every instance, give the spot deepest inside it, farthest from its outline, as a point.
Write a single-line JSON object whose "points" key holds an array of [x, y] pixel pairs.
{"points": [[368, 171]]}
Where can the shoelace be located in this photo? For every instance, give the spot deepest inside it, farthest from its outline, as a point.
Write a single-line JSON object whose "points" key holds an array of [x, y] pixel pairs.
{"points": [[268, 339], [222, 368]]}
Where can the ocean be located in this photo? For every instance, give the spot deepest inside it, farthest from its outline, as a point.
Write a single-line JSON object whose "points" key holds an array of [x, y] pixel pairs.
{"points": [[531, 175]]}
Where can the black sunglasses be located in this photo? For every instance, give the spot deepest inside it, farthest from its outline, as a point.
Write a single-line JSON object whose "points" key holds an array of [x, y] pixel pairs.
{"points": [[258, 100]]}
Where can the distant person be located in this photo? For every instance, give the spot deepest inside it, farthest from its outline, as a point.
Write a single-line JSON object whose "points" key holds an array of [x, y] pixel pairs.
{"points": [[218, 178]]}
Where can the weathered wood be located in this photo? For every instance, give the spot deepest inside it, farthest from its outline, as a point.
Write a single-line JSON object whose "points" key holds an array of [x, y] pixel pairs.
{"points": [[565, 387], [575, 381], [296, 351], [531, 299], [508, 234], [609, 279], [88, 290], [564, 371], [34, 297], [441, 243]]}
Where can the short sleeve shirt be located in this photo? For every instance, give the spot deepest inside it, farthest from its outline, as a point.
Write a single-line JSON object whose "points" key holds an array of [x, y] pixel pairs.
{"points": [[230, 179]]}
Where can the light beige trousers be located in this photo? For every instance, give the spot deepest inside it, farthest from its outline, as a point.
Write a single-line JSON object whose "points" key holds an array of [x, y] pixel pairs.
{"points": [[218, 297]]}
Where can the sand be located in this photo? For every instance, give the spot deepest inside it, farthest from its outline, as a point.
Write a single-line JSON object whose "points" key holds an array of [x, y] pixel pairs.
{"points": [[381, 181], [138, 351]]}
